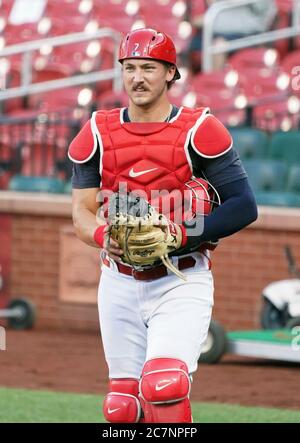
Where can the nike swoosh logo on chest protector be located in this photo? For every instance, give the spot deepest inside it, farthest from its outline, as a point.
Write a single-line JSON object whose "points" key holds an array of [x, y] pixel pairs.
{"points": [[139, 173]]}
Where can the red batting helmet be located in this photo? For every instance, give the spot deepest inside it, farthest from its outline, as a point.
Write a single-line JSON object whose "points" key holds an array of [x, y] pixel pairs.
{"points": [[148, 43]]}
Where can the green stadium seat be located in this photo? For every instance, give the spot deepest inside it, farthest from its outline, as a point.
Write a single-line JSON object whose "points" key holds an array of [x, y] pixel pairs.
{"points": [[272, 198], [68, 188], [36, 184], [266, 175], [286, 146], [293, 182], [250, 143]]}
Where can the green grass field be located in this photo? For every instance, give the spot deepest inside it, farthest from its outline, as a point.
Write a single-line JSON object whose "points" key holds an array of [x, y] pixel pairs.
{"points": [[26, 406]]}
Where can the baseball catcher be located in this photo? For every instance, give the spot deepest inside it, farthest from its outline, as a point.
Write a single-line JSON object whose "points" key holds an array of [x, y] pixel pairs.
{"points": [[153, 324]]}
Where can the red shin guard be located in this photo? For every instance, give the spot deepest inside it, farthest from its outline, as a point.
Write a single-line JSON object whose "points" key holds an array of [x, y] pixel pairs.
{"points": [[121, 404], [164, 391]]}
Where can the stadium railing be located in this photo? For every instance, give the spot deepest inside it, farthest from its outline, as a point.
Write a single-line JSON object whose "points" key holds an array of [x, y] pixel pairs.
{"points": [[26, 49], [209, 49]]}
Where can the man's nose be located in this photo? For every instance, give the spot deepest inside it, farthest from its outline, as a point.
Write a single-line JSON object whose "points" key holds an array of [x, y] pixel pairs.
{"points": [[138, 76]]}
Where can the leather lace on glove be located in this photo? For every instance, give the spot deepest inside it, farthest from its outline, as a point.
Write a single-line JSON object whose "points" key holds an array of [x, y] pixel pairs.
{"points": [[145, 236]]}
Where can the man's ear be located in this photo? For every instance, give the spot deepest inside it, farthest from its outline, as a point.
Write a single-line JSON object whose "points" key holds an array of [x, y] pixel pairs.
{"points": [[171, 72]]}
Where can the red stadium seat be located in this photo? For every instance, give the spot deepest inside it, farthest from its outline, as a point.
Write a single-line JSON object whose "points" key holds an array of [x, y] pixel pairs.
{"points": [[5, 7], [12, 80], [166, 8], [68, 98], [258, 58], [227, 79], [57, 8], [59, 26], [107, 9], [177, 93], [21, 33], [290, 63], [111, 100], [285, 6], [232, 118], [226, 108], [277, 115], [39, 159], [5, 161], [198, 8], [258, 84], [282, 21], [22, 113], [52, 71]]}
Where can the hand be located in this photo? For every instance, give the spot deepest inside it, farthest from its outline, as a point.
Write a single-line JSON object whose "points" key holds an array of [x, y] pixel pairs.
{"points": [[111, 247]]}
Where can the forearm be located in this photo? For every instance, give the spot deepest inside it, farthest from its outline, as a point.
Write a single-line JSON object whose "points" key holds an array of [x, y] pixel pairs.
{"points": [[89, 222], [85, 224], [87, 219]]}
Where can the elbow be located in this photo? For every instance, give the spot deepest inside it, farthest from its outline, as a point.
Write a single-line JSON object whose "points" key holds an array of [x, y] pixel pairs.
{"points": [[255, 213], [252, 210]]}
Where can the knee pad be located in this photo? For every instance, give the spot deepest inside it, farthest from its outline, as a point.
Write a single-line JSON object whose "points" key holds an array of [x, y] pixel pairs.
{"points": [[121, 404], [164, 390]]}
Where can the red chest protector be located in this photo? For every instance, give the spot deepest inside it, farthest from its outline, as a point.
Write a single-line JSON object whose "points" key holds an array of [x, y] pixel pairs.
{"points": [[146, 156], [149, 157]]}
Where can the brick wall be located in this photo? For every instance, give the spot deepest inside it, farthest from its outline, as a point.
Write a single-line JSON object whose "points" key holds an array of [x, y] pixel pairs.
{"points": [[35, 271], [243, 264]]}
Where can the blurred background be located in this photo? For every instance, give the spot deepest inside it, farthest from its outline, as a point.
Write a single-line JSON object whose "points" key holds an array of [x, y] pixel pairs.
{"points": [[58, 63]]}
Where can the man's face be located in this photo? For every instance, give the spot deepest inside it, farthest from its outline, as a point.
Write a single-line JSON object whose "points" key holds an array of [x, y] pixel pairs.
{"points": [[145, 80]]}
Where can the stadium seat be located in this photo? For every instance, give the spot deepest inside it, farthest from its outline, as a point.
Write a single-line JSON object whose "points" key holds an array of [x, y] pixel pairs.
{"points": [[111, 99], [285, 6], [290, 64], [286, 146], [36, 184], [22, 33], [223, 107], [197, 8], [232, 119], [119, 15], [6, 6], [257, 58], [177, 93], [266, 175], [220, 82], [293, 182], [250, 142], [71, 9], [5, 163], [51, 71], [277, 198], [166, 8], [68, 188], [273, 184], [59, 26], [113, 8], [260, 84], [70, 98], [278, 115]]}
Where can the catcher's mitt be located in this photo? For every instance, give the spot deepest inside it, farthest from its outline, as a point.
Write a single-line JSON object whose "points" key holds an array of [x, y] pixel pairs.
{"points": [[145, 236]]}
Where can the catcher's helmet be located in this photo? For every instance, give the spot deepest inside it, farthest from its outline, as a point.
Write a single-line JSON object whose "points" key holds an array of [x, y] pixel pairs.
{"points": [[149, 43], [202, 197]]}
